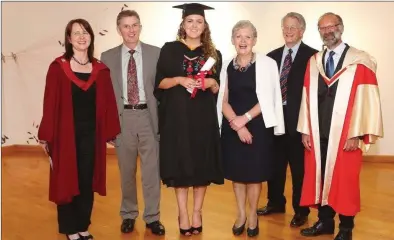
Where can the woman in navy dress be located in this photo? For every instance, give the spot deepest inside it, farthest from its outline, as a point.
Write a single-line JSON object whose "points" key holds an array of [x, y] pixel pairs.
{"points": [[252, 120]]}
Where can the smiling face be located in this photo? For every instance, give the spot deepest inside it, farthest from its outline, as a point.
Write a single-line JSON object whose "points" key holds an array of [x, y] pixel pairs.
{"points": [[194, 26], [130, 29], [244, 40], [79, 38], [330, 31], [292, 30]]}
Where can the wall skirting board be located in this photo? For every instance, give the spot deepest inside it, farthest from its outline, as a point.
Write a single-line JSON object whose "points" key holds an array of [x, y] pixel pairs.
{"points": [[35, 149]]}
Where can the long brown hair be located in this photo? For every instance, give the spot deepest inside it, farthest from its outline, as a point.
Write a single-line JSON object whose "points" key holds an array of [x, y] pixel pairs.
{"points": [[208, 47], [67, 34]]}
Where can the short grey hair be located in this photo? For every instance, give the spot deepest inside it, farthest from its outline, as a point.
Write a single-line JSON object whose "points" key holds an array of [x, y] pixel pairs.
{"points": [[244, 24], [297, 16], [340, 21]]}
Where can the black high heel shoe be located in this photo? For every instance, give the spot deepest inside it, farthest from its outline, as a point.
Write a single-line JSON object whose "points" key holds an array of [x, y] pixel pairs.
{"points": [[239, 230], [253, 232], [184, 231], [197, 230]]}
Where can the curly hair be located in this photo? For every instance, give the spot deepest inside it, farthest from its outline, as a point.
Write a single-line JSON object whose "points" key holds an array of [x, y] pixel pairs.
{"points": [[208, 47]]}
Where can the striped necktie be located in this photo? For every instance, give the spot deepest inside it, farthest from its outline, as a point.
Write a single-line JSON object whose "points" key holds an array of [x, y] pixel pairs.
{"points": [[284, 74]]}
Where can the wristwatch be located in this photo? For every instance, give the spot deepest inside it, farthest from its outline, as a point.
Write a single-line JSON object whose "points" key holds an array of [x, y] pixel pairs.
{"points": [[248, 116]]}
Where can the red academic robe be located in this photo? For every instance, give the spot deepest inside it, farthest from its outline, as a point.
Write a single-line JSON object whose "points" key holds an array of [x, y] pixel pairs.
{"points": [[57, 127], [356, 113]]}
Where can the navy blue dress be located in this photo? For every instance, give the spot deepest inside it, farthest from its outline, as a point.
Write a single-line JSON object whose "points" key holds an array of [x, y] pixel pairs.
{"points": [[242, 162]]}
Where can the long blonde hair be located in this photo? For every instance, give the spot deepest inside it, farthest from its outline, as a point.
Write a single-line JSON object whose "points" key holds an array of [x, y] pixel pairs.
{"points": [[208, 47]]}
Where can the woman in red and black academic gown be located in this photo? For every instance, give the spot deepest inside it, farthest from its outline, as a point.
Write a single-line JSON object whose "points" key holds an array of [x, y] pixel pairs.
{"points": [[79, 117]]}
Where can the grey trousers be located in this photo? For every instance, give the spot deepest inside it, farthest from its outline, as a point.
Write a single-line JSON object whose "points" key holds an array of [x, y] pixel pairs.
{"points": [[137, 137]]}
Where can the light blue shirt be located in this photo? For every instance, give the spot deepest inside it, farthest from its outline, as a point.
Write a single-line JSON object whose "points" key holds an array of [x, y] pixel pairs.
{"points": [[138, 61], [338, 53], [293, 55]]}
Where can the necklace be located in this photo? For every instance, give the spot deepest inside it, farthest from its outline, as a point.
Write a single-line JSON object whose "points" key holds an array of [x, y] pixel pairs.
{"points": [[80, 62], [237, 66]]}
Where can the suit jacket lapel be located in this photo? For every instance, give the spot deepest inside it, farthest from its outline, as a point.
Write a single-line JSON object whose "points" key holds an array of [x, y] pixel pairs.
{"points": [[298, 56], [148, 86], [278, 57], [145, 64], [118, 70]]}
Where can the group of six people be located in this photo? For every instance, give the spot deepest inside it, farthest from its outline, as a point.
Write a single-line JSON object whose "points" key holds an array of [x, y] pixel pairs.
{"points": [[243, 120]]}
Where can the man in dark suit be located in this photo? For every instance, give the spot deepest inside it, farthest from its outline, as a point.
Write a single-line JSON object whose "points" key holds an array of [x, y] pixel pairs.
{"points": [[292, 59], [133, 71]]}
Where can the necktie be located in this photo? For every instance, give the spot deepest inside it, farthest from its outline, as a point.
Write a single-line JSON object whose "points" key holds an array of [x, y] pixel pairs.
{"points": [[132, 81], [330, 65], [284, 74]]}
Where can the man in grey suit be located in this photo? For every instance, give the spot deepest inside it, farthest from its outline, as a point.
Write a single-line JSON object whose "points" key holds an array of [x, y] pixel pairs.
{"points": [[133, 70]]}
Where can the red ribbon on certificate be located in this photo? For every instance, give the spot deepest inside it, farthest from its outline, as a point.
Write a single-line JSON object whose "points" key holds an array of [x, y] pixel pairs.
{"points": [[201, 75]]}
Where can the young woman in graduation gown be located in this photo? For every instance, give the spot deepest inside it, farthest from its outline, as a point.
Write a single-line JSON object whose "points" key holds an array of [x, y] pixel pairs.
{"points": [[189, 130], [79, 117]]}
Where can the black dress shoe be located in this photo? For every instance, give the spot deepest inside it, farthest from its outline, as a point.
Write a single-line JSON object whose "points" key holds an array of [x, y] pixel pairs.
{"points": [[268, 210], [344, 234], [156, 227], [127, 225], [89, 237], [253, 232], [319, 228], [298, 220], [239, 230]]}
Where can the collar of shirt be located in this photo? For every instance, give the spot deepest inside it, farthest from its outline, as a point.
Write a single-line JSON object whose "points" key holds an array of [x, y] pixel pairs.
{"points": [[125, 49], [338, 50], [294, 48]]}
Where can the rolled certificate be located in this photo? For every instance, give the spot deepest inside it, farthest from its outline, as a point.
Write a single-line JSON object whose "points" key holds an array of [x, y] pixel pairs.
{"points": [[207, 66]]}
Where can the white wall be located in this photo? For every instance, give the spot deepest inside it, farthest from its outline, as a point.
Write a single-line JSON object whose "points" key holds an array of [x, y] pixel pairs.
{"points": [[32, 30]]}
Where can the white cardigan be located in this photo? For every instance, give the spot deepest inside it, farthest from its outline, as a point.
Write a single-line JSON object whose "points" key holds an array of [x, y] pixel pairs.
{"points": [[267, 89]]}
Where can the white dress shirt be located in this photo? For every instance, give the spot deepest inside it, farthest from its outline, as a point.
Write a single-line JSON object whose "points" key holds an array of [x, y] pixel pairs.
{"points": [[138, 61], [338, 53]]}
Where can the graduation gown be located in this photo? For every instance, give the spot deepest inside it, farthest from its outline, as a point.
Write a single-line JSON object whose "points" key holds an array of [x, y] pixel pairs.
{"points": [[356, 113], [57, 127]]}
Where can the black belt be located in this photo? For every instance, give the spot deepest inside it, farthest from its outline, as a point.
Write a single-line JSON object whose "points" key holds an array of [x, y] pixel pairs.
{"points": [[137, 106]]}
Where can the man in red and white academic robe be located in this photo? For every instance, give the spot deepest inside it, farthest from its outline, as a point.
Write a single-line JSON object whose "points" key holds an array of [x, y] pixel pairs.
{"points": [[340, 116]]}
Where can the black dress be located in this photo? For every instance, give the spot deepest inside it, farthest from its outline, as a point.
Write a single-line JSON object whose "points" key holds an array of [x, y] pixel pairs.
{"points": [[75, 216], [190, 152], [246, 163]]}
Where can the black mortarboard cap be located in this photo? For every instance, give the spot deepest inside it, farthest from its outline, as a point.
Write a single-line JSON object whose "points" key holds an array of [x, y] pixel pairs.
{"points": [[193, 8]]}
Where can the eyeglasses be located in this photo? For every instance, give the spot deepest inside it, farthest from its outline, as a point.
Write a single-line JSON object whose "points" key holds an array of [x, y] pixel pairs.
{"points": [[290, 29], [330, 28], [78, 34]]}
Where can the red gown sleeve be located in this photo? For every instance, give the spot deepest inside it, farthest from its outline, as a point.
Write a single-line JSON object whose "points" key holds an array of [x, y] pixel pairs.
{"points": [[112, 116], [51, 95]]}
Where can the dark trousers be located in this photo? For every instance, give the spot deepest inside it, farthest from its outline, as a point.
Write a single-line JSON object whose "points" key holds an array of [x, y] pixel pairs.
{"points": [[326, 213], [288, 150], [74, 217]]}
